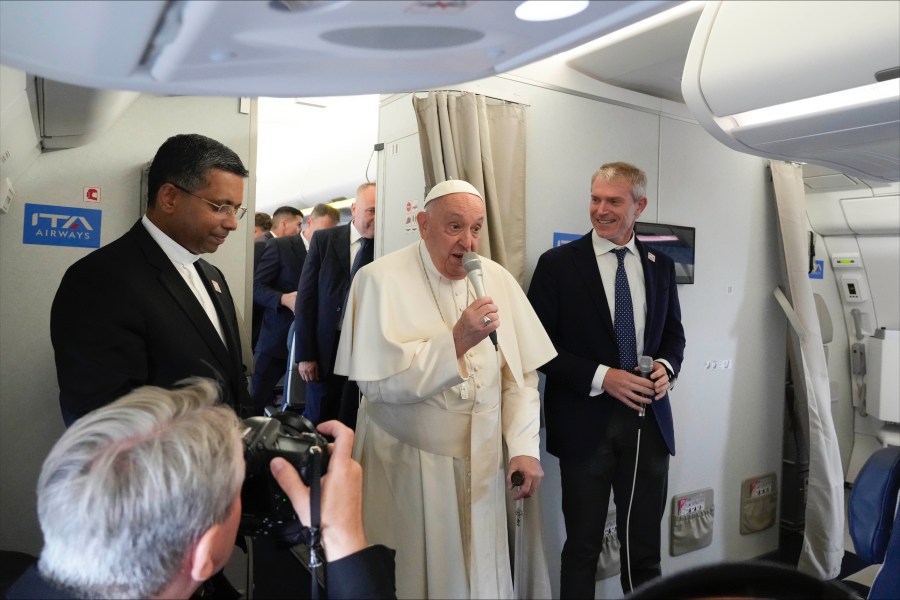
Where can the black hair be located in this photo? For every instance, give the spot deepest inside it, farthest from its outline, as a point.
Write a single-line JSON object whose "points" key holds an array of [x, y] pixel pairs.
{"points": [[185, 159]]}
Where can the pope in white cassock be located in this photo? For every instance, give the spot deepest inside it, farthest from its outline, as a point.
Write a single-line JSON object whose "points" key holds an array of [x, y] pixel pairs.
{"points": [[441, 402]]}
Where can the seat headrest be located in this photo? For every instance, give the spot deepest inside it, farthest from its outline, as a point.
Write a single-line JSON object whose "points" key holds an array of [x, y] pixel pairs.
{"points": [[873, 504]]}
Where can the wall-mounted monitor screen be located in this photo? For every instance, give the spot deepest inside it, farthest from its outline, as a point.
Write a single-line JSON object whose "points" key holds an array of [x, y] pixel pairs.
{"points": [[674, 241]]}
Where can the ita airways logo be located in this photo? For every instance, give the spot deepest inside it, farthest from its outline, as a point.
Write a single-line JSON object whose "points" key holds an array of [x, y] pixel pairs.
{"points": [[49, 225], [560, 238]]}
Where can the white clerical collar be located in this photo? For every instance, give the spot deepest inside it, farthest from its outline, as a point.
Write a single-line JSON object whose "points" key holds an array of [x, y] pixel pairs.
{"points": [[177, 253], [603, 245]]}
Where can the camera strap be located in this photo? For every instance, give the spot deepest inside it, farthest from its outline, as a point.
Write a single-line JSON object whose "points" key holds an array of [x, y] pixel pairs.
{"points": [[316, 563]]}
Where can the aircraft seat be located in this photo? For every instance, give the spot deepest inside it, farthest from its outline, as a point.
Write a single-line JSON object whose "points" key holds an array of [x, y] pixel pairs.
{"points": [[874, 519]]}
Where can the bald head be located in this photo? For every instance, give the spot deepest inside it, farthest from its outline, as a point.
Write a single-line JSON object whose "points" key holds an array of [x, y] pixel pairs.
{"points": [[363, 210]]}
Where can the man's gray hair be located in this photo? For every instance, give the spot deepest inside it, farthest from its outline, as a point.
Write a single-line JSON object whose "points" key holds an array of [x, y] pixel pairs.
{"points": [[363, 187], [131, 486], [621, 170]]}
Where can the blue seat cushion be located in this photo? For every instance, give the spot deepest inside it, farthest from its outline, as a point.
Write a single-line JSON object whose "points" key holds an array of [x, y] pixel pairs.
{"points": [[873, 504]]}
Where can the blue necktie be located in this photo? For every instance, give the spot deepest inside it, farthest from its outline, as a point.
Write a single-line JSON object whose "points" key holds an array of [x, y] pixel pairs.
{"points": [[364, 256], [625, 336]]}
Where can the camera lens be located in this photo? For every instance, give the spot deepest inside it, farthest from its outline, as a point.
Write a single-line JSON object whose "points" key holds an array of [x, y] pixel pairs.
{"points": [[266, 511]]}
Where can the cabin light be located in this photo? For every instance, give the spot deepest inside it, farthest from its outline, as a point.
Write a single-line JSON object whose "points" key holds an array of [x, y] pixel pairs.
{"points": [[340, 203], [867, 94], [635, 29], [543, 10]]}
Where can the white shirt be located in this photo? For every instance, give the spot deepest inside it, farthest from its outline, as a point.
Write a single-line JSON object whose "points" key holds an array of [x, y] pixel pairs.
{"points": [[354, 243], [607, 263], [184, 262]]}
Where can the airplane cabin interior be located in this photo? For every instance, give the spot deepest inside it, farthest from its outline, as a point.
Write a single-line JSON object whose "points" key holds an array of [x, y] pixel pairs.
{"points": [[770, 136]]}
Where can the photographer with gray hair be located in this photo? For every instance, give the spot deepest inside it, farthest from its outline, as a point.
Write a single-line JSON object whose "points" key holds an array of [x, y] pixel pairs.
{"points": [[142, 499]]}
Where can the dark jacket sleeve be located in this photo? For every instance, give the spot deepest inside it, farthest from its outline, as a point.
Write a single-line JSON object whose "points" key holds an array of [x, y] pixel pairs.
{"points": [[265, 277], [672, 342], [98, 340], [306, 309], [367, 574]]}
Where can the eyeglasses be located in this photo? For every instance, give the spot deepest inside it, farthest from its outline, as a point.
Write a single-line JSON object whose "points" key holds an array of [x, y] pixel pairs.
{"points": [[223, 210]]}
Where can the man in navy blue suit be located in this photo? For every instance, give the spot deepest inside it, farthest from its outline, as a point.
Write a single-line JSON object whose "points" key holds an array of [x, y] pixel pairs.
{"points": [[285, 222], [606, 299], [275, 289], [321, 297]]}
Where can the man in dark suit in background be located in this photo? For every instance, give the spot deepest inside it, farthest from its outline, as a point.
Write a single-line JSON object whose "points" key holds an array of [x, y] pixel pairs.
{"points": [[146, 309], [605, 299], [275, 288], [262, 233], [262, 224], [321, 297], [285, 222]]}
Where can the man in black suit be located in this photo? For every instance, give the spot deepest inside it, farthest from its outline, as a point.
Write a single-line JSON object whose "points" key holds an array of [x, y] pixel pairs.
{"points": [[146, 309], [606, 299], [321, 297], [275, 288], [285, 222]]}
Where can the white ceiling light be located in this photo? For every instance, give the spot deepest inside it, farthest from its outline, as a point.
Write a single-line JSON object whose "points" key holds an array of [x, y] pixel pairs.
{"points": [[544, 10]]}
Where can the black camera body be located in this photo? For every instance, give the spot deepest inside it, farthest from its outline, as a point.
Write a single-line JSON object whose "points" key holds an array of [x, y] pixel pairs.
{"points": [[266, 510]]}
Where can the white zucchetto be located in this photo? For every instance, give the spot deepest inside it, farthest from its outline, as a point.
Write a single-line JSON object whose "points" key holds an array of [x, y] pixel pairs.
{"points": [[451, 186]]}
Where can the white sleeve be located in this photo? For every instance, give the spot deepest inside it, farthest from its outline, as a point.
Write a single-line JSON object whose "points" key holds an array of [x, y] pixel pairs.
{"points": [[521, 414], [433, 369]]}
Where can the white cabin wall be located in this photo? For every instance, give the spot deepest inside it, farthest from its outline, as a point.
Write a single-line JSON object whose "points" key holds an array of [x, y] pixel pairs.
{"points": [[30, 421], [835, 202], [728, 422], [880, 255], [838, 355]]}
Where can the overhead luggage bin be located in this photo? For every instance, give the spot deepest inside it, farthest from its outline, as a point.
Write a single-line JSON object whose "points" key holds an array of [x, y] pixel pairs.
{"points": [[801, 81]]}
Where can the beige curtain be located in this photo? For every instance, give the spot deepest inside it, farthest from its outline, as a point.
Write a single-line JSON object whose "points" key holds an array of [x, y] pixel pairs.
{"points": [[480, 140], [823, 536]]}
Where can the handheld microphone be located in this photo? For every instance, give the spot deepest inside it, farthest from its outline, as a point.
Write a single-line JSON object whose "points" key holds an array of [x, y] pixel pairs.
{"points": [[645, 364], [472, 265]]}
